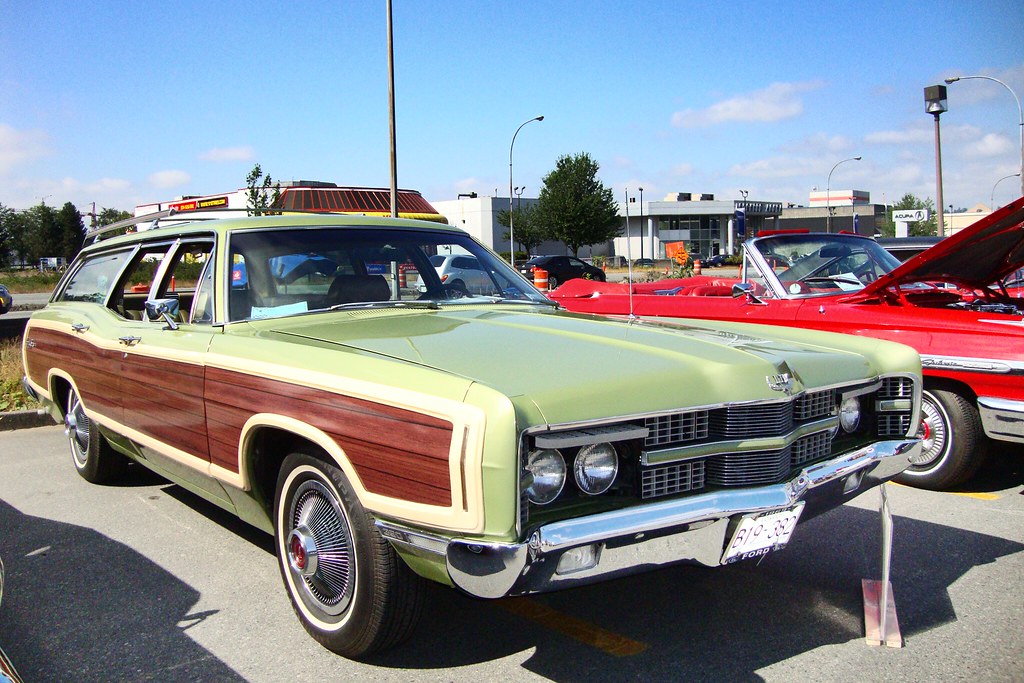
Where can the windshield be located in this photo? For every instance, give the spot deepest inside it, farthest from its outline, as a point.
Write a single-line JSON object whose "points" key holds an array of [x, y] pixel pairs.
{"points": [[275, 272], [810, 265]]}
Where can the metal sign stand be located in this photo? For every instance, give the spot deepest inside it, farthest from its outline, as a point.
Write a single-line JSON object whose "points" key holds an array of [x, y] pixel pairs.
{"points": [[880, 624]]}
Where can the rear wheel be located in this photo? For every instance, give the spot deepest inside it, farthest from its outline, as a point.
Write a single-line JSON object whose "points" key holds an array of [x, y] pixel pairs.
{"points": [[94, 459], [350, 590], [953, 440]]}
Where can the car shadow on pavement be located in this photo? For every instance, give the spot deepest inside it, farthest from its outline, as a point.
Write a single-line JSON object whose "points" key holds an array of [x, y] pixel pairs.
{"points": [[715, 624], [79, 606], [1003, 469]]}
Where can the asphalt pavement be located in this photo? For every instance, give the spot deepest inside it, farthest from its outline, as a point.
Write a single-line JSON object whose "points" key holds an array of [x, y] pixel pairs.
{"points": [[144, 581]]}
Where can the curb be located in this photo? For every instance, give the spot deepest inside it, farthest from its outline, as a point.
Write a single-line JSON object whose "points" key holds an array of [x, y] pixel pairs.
{"points": [[25, 419]]}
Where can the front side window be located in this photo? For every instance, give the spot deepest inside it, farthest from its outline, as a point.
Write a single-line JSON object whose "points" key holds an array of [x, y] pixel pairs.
{"points": [[93, 279]]}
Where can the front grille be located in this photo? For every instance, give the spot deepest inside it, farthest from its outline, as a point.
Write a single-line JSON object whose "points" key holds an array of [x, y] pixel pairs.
{"points": [[748, 469], [670, 479], [893, 424], [896, 387], [676, 428], [741, 422], [811, 448], [815, 404]]}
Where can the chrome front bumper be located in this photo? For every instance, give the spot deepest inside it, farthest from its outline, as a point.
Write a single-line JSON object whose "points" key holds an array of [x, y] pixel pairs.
{"points": [[1002, 418], [691, 529]]}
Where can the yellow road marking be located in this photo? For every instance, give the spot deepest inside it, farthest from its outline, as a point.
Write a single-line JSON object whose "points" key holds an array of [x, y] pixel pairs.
{"points": [[965, 494], [578, 629], [979, 496]]}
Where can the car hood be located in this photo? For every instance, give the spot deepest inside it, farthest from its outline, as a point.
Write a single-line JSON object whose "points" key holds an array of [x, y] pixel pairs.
{"points": [[576, 367], [980, 254]]}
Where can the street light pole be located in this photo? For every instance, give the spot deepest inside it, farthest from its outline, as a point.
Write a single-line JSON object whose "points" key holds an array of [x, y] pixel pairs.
{"points": [[1020, 115], [992, 200], [511, 234], [642, 227], [828, 194], [935, 104]]}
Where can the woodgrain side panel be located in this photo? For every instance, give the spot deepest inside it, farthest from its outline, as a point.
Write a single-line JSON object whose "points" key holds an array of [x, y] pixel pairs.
{"points": [[96, 371], [396, 452]]}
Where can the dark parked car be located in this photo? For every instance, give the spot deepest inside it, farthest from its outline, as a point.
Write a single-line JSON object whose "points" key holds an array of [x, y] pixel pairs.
{"points": [[561, 269], [714, 261], [643, 263]]}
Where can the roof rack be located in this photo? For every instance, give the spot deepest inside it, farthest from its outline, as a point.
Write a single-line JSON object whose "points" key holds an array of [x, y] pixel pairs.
{"points": [[200, 215], [95, 234]]}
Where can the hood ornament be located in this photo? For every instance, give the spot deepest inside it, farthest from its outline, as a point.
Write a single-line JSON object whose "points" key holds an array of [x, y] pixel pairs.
{"points": [[780, 382]]}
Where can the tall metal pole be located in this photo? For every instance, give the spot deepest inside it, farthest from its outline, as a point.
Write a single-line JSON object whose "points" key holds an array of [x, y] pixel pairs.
{"points": [[1020, 115], [828, 194], [391, 117], [938, 180], [511, 234], [642, 227]]}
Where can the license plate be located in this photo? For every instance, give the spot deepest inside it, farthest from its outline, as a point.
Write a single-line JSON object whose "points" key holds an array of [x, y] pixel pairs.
{"points": [[759, 534]]}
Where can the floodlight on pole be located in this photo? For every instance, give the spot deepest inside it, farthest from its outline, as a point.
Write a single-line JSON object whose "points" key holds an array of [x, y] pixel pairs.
{"points": [[511, 234], [1020, 116], [828, 194]]}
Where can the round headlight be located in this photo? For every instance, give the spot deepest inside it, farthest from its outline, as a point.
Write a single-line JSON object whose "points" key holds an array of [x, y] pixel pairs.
{"points": [[595, 468], [547, 476], [849, 414]]}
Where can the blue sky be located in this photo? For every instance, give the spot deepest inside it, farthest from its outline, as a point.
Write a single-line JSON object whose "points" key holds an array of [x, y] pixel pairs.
{"points": [[123, 103]]}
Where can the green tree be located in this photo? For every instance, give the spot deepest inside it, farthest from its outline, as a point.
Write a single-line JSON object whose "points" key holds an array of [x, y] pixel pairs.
{"points": [[7, 217], [262, 194], [920, 228], [575, 207], [108, 216], [71, 229], [42, 233], [529, 232]]}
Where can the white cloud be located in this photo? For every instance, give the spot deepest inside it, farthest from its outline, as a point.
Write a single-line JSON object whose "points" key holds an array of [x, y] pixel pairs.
{"points": [[224, 154], [991, 145], [777, 102], [899, 137], [778, 167], [682, 170], [20, 146], [170, 178]]}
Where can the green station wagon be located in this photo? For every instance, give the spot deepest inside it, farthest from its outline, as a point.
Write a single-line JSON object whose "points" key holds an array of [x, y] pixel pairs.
{"points": [[314, 376]]}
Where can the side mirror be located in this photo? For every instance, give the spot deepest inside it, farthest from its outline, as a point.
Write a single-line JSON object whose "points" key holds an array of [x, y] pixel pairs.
{"points": [[166, 309], [746, 289]]}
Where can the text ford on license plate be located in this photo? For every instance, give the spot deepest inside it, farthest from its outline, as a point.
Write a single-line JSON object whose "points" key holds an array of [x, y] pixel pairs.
{"points": [[761, 533]]}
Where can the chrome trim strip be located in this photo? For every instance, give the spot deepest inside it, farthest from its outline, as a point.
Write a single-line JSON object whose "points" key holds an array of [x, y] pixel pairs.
{"points": [[968, 364], [591, 435], [1002, 418], [697, 524], [704, 450]]}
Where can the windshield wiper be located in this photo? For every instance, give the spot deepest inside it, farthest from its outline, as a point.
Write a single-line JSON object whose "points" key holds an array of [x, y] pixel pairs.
{"points": [[431, 305], [834, 278]]}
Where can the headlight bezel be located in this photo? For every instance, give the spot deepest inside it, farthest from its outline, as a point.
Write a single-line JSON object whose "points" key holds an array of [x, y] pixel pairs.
{"points": [[548, 493], [585, 457]]}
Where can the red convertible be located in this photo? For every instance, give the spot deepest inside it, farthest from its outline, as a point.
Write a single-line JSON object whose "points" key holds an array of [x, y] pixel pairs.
{"points": [[958, 303]]}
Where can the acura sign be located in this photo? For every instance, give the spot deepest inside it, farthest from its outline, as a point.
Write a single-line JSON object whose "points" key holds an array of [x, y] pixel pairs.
{"points": [[910, 215]]}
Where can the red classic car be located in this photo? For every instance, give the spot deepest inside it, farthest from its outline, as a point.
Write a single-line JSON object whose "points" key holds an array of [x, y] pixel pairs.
{"points": [[958, 303]]}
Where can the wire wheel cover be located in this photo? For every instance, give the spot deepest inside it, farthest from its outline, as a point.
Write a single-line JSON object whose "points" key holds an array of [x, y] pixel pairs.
{"points": [[934, 435], [76, 427], [329, 588]]}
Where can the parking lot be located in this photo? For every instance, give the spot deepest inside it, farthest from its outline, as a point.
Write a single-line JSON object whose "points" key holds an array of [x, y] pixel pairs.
{"points": [[145, 581]]}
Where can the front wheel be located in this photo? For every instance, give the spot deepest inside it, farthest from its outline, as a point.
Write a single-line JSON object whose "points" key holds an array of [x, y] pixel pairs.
{"points": [[552, 282], [350, 590], [953, 442], [94, 459]]}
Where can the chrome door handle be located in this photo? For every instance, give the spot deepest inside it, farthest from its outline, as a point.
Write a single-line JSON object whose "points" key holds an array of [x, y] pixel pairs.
{"points": [[129, 341], [79, 327]]}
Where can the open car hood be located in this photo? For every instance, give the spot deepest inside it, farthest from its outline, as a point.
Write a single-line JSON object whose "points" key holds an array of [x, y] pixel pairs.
{"points": [[978, 255]]}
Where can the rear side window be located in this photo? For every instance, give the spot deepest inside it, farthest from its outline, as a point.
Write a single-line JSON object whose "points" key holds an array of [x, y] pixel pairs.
{"points": [[93, 279]]}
